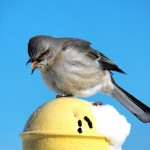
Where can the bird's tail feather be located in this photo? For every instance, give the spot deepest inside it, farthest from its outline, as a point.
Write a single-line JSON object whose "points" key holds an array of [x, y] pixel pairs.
{"points": [[140, 110]]}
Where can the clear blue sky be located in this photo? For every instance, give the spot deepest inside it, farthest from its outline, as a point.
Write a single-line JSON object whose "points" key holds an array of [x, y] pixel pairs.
{"points": [[119, 29]]}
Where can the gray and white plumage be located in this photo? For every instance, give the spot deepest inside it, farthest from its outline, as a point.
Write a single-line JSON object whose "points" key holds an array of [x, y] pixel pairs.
{"points": [[70, 66]]}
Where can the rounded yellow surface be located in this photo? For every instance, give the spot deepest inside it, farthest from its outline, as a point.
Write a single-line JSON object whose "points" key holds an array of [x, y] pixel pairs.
{"points": [[63, 124]]}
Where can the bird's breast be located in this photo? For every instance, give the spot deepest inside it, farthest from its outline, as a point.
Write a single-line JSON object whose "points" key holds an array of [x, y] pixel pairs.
{"points": [[76, 80]]}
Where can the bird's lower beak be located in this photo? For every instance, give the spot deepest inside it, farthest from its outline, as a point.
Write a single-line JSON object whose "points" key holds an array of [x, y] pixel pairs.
{"points": [[34, 66]]}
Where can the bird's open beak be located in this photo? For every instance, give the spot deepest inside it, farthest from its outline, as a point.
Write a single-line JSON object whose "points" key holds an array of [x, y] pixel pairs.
{"points": [[34, 66]]}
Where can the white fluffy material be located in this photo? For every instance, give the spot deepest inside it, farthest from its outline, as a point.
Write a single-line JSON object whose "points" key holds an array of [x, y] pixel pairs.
{"points": [[111, 124]]}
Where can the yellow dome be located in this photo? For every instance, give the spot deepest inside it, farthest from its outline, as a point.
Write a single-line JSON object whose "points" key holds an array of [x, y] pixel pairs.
{"points": [[63, 124]]}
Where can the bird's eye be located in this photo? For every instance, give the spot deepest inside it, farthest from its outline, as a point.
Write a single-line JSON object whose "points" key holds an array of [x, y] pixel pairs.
{"points": [[42, 55]]}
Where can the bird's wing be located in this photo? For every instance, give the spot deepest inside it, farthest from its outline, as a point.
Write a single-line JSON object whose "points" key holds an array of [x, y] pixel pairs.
{"points": [[95, 55], [76, 43]]}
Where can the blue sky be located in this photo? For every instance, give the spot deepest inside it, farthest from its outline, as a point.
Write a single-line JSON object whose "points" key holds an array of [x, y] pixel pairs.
{"points": [[119, 29]]}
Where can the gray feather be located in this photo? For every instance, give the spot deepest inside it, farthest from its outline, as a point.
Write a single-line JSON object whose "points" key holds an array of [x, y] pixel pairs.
{"points": [[135, 106], [84, 46]]}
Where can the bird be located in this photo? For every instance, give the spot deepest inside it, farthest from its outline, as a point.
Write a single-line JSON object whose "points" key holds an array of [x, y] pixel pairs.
{"points": [[71, 67]]}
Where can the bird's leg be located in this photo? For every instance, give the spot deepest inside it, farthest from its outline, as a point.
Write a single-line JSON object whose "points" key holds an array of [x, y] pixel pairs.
{"points": [[68, 95], [97, 103]]}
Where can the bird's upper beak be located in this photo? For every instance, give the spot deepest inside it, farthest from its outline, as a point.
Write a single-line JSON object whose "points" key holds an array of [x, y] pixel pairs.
{"points": [[34, 66]]}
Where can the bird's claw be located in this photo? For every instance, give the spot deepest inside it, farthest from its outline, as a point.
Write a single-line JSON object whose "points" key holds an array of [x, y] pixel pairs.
{"points": [[97, 103], [59, 96]]}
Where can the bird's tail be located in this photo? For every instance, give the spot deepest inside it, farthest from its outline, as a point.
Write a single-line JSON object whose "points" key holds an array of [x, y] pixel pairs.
{"points": [[140, 110]]}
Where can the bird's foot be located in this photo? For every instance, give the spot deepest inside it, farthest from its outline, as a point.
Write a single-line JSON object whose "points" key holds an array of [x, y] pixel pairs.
{"points": [[97, 103], [59, 96]]}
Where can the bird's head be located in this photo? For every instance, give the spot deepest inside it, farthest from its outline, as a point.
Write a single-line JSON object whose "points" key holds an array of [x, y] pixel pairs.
{"points": [[42, 51]]}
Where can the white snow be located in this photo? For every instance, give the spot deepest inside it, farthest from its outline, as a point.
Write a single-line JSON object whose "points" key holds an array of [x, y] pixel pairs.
{"points": [[111, 124]]}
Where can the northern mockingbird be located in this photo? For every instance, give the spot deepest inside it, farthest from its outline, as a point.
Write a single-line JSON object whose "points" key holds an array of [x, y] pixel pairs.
{"points": [[71, 67]]}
